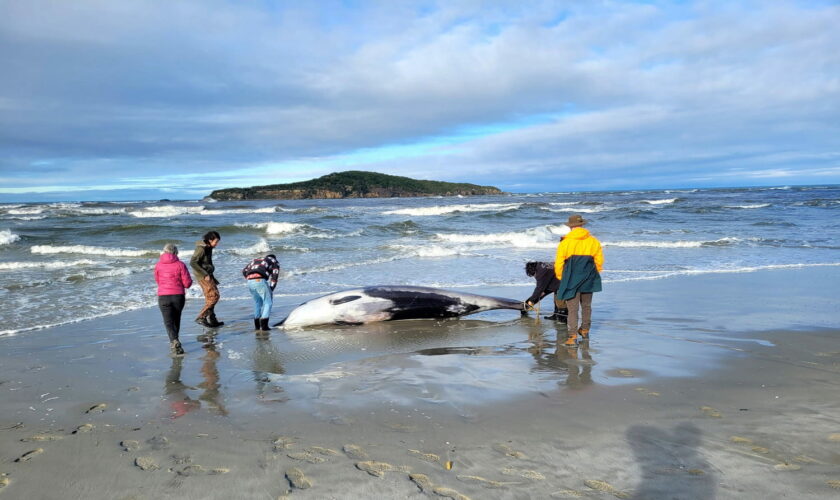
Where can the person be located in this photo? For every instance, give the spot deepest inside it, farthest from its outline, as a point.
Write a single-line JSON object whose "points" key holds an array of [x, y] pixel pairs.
{"points": [[172, 278], [262, 274], [547, 283], [202, 266], [578, 265]]}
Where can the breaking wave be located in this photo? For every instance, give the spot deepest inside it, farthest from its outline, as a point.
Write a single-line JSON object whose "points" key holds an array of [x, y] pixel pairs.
{"points": [[261, 246], [539, 237], [12, 266], [7, 236], [450, 209], [91, 250], [165, 211], [660, 202]]}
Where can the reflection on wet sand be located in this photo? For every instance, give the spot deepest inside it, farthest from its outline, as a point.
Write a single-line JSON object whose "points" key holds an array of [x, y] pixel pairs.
{"points": [[180, 403], [211, 385], [266, 361], [575, 361]]}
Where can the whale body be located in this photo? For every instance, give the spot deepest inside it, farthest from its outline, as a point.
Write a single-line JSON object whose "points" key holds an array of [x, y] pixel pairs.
{"points": [[387, 303]]}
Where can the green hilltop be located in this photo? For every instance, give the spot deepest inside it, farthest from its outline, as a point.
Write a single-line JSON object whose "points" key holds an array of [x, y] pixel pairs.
{"points": [[353, 184]]}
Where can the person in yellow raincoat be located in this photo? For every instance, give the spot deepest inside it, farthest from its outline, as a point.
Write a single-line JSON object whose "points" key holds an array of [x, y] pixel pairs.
{"points": [[578, 265]]}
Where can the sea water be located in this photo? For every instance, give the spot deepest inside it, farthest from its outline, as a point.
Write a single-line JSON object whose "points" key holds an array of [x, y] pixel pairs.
{"points": [[66, 262]]}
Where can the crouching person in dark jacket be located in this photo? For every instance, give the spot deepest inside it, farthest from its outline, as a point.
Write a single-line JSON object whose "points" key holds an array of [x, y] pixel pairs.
{"points": [[547, 282], [262, 274]]}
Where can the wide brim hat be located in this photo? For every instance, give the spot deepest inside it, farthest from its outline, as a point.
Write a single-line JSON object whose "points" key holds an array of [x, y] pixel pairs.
{"points": [[576, 221]]}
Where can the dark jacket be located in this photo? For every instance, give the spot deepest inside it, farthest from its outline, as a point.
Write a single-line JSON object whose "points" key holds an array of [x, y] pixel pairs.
{"points": [[267, 267], [580, 274], [202, 261], [547, 282]]}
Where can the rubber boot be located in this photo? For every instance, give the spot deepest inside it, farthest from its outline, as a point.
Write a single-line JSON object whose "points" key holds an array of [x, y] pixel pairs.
{"points": [[256, 323], [211, 318], [175, 347], [264, 324], [562, 315], [203, 322]]}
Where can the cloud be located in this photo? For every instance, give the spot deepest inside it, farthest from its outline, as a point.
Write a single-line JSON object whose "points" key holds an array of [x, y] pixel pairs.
{"points": [[542, 96]]}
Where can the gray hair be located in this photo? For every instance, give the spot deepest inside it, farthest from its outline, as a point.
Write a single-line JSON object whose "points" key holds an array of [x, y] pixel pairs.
{"points": [[170, 248]]}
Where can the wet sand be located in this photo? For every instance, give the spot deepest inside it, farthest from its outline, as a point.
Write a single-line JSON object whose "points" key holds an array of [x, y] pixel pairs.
{"points": [[711, 386]]}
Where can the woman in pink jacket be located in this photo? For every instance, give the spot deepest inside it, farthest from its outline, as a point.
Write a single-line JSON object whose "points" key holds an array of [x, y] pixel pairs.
{"points": [[172, 278]]}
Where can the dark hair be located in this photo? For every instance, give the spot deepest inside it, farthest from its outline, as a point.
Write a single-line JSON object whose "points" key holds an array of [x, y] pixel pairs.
{"points": [[211, 235], [531, 268], [272, 256]]}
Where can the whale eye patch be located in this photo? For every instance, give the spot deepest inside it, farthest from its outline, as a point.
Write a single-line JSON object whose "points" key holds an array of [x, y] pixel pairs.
{"points": [[342, 300]]}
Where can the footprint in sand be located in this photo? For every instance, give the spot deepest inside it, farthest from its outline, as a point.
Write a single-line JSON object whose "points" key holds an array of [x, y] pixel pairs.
{"points": [[283, 443], [787, 467], [130, 445], [198, 470], [43, 437], [605, 487], [567, 494], [526, 473], [306, 456], [484, 482], [710, 412], [322, 451], [449, 493], [355, 452], [739, 439], [298, 479], [423, 482], [146, 463], [834, 483], [84, 428], [507, 450], [29, 455], [378, 469], [428, 457], [97, 408], [158, 442]]}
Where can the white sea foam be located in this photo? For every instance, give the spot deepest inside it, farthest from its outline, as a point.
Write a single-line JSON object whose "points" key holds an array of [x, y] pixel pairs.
{"points": [[166, 211], [7, 236], [538, 237], [12, 266], [659, 202], [27, 211], [427, 250], [96, 211], [448, 209], [26, 217], [259, 247], [277, 227], [91, 250], [758, 205], [675, 244], [592, 210], [723, 270], [227, 211]]}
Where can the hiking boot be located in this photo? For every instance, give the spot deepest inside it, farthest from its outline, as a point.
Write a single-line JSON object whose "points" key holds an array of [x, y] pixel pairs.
{"points": [[264, 325], [214, 323], [203, 322], [571, 341], [584, 332], [175, 347]]}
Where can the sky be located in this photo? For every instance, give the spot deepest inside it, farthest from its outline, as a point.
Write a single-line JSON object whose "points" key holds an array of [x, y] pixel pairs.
{"points": [[125, 100]]}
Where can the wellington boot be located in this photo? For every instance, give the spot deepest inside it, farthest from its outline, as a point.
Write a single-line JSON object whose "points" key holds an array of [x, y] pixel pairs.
{"points": [[214, 323], [203, 322], [562, 315], [264, 325], [256, 323], [175, 347]]}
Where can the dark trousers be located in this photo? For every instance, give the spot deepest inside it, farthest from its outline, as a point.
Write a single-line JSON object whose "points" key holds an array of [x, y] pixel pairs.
{"points": [[582, 300], [170, 308]]}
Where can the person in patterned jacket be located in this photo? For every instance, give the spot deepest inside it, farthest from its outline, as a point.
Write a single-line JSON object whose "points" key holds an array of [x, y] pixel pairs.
{"points": [[262, 274]]}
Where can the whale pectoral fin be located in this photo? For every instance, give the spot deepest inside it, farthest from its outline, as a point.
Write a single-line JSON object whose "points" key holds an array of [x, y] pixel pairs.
{"points": [[344, 300], [279, 322]]}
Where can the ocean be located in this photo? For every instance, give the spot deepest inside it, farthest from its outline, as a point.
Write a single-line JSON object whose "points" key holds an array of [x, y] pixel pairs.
{"points": [[67, 262]]}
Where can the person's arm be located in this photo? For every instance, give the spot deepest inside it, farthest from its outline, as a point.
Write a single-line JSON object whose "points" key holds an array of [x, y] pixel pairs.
{"points": [[543, 277], [599, 258], [199, 271], [560, 259], [157, 276], [275, 274], [185, 276]]}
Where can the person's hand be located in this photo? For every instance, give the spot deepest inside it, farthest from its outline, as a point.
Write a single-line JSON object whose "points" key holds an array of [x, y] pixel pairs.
{"points": [[208, 278]]}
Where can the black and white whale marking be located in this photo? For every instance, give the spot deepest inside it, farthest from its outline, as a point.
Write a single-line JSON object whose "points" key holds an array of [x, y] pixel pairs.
{"points": [[388, 303]]}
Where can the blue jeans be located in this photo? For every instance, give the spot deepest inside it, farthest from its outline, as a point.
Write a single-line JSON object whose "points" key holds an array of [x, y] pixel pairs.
{"points": [[262, 297]]}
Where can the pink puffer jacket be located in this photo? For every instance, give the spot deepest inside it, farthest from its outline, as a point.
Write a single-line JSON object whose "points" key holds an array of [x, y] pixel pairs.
{"points": [[171, 275]]}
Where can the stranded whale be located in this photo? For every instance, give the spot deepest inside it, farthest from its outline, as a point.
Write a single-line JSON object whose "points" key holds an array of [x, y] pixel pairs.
{"points": [[387, 303]]}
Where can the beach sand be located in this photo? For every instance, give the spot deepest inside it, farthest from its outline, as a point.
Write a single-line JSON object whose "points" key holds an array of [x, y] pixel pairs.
{"points": [[695, 387]]}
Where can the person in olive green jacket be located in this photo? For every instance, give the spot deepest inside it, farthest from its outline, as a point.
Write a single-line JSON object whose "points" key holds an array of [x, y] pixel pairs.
{"points": [[203, 268], [578, 266]]}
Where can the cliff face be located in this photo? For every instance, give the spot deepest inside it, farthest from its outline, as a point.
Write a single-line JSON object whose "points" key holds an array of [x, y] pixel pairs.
{"points": [[353, 185]]}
